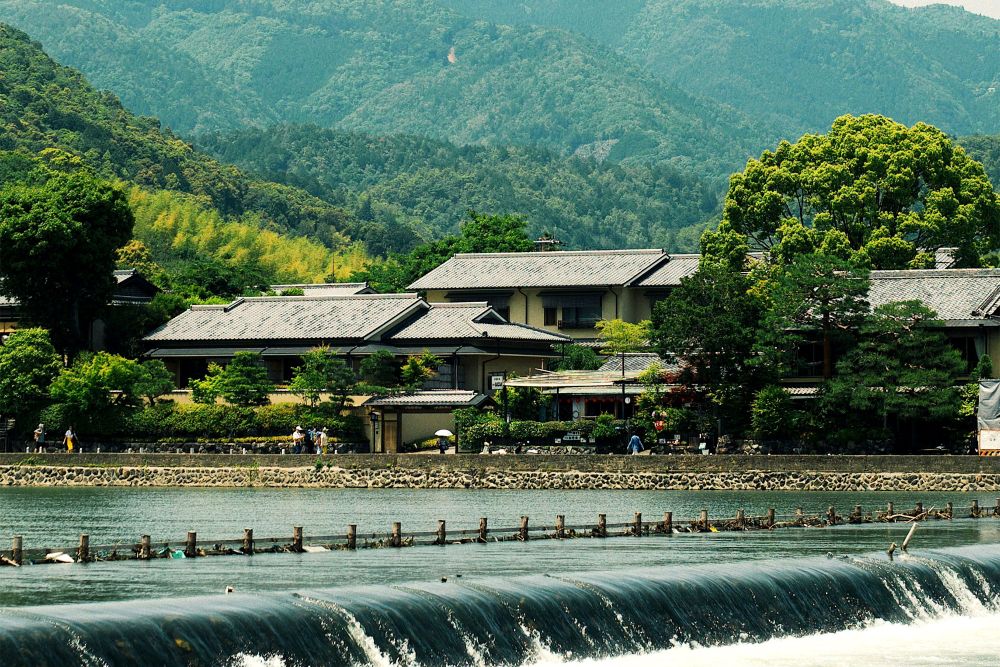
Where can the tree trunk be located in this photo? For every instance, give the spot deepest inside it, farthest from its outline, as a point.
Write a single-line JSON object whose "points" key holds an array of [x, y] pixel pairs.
{"points": [[827, 356]]}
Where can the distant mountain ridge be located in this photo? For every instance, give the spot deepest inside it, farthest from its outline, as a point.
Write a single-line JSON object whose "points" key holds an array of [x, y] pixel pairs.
{"points": [[796, 64], [384, 67]]}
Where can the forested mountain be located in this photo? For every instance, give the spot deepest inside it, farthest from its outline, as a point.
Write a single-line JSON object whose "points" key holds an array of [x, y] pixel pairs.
{"points": [[429, 185], [385, 67], [188, 206], [986, 149], [796, 64], [50, 110]]}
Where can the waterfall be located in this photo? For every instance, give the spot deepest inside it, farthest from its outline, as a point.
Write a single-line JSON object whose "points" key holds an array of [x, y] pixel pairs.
{"points": [[515, 621]]}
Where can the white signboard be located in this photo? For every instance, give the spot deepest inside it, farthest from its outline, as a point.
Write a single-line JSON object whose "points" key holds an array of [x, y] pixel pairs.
{"points": [[989, 441]]}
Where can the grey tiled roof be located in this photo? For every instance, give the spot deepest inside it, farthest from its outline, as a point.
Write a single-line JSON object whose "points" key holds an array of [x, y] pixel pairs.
{"points": [[290, 318], [591, 268], [429, 398], [327, 289], [670, 274], [955, 294], [635, 362], [944, 258], [469, 320]]}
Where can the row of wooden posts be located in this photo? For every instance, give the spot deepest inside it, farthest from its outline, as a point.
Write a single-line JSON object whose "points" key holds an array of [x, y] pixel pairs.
{"points": [[144, 549]]}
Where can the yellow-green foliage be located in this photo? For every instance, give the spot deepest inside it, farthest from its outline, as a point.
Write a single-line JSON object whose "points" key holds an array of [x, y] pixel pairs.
{"points": [[176, 226]]}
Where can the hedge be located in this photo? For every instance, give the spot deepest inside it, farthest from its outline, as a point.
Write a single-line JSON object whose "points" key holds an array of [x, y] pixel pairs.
{"points": [[193, 421], [473, 435]]}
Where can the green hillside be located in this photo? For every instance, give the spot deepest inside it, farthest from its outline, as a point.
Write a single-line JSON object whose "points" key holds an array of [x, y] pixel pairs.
{"points": [[429, 185], [47, 107], [385, 67], [796, 64], [986, 149]]}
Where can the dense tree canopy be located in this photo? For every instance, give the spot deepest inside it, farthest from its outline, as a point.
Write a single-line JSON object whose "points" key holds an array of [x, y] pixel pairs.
{"points": [[893, 194], [709, 325], [903, 371], [816, 297], [28, 364], [422, 187], [57, 251]]}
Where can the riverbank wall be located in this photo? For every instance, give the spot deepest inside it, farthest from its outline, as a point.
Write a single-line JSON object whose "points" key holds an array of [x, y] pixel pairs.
{"points": [[819, 473]]}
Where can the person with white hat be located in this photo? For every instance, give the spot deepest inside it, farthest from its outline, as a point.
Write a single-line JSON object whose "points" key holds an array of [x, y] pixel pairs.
{"points": [[298, 436], [39, 438]]}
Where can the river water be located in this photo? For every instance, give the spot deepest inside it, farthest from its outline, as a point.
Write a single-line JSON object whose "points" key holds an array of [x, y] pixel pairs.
{"points": [[794, 596]]}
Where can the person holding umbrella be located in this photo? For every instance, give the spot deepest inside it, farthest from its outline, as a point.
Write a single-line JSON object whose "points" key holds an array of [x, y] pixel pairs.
{"points": [[443, 442]]}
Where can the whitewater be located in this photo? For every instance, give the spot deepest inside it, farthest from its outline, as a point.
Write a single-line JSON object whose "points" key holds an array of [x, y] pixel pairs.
{"points": [[940, 607]]}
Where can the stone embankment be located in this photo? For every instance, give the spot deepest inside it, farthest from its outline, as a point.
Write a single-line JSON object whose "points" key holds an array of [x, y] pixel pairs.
{"points": [[453, 475]]}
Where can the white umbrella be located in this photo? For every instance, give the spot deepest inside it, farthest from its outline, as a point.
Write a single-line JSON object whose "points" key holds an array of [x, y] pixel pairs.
{"points": [[444, 433]]}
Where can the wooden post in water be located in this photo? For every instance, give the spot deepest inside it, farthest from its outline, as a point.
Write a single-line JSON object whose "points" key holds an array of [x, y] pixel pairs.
{"points": [[920, 508], [297, 539], [396, 540], [352, 536], [482, 529], [703, 520], [798, 515], [522, 533], [191, 546], [637, 524], [975, 509], [741, 518], [889, 510], [668, 523], [857, 513], [996, 508], [831, 516], [144, 548], [770, 517], [17, 550], [951, 511], [602, 525], [83, 551], [560, 526], [442, 535], [248, 541]]}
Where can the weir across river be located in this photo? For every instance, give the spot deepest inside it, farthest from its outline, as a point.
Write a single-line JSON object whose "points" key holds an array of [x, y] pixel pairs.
{"points": [[248, 544]]}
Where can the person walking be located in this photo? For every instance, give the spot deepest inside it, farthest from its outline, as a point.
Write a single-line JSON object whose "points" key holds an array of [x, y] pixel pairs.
{"points": [[69, 438], [39, 435], [634, 445], [324, 441]]}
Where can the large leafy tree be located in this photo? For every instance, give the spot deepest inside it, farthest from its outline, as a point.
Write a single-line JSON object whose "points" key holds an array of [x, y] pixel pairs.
{"points": [[244, 381], [321, 373], [709, 324], [817, 295], [57, 251], [96, 390], [894, 193], [901, 371], [28, 364]]}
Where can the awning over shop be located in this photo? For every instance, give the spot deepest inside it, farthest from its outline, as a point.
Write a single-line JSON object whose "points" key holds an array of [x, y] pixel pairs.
{"points": [[431, 398]]}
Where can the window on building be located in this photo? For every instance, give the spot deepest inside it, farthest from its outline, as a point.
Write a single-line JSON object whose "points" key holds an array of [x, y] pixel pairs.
{"points": [[503, 312], [580, 310], [581, 317], [551, 316]]}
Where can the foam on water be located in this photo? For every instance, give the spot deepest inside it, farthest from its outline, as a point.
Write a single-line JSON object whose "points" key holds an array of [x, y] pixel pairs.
{"points": [[946, 642], [936, 609]]}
